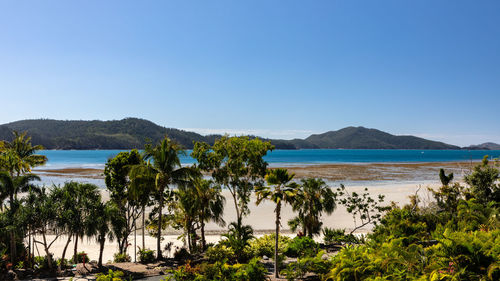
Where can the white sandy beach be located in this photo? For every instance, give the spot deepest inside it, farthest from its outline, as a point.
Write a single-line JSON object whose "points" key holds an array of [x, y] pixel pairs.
{"points": [[261, 219]]}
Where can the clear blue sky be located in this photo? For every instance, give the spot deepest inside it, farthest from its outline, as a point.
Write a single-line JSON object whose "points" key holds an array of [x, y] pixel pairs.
{"points": [[273, 68]]}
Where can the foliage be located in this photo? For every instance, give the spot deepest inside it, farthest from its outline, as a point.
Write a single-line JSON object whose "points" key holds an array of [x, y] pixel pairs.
{"points": [[338, 236], [124, 257], [361, 206], [264, 246], [40, 262], [146, 255], [303, 246], [219, 253], [315, 264], [253, 271], [313, 199], [483, 182], [236, 163], [182, 254], [80, 257], [111, 276], [237, 238]]}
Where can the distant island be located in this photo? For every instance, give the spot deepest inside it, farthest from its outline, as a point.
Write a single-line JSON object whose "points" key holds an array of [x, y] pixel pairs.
{"points": [[134, 133]]}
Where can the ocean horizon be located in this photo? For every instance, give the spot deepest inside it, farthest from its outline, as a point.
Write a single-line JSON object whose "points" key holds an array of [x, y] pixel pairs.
{"points": [[97, 158]]}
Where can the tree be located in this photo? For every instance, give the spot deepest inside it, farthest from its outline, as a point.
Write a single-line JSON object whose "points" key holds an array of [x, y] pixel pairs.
{"points": [[281, 190], [210, 204], [78, 201], [313, 198], [362, 206], [236, 163], [102, 216], [18, 157], [483, 182], [117, 181], [167, 170], [10, 186]]}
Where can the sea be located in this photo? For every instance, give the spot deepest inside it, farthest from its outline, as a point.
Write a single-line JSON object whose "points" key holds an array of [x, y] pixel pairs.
{"points": [[96, 159], [58, 159]]}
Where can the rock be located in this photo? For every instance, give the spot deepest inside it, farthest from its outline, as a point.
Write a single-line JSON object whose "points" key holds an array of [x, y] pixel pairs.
{"points": [[85, 270], [12, 275]]}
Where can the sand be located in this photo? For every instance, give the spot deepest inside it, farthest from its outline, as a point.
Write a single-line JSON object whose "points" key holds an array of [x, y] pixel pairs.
{"points": [[261, 219]]}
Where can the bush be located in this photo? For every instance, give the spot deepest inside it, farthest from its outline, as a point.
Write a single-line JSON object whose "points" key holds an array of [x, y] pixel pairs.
{"points": [[220, 253], [302, 247], [264, 246], [122, 257], [253, 271], [182, 254], [62, 263], [146, 255], [40, 262], [80, 257], [337, 236], [300, 268], [111, 276]]}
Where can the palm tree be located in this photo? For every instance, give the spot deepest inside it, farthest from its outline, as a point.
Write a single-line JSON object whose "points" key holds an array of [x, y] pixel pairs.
{"points": [[10, 186], [167, 170], [210, 204], [19, 154], [142, 184], [313, 198], [102, 216], [18, 157], [281, 189]]}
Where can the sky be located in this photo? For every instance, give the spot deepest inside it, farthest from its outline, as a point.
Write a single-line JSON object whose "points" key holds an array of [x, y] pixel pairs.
{"points": [[280, 69]]}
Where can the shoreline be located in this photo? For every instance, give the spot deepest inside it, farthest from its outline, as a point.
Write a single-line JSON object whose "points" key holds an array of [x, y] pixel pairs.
{"points": [[334, 173]]}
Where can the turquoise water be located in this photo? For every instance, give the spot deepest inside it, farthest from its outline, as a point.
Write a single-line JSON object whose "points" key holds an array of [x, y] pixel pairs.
{"points": [[97, 158]]}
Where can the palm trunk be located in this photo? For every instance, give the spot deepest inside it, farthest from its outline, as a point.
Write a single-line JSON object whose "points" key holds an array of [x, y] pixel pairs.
{"points": [[143, 226], [65, 248], [12, 233], [276, 269], [158, 241], [47, 253], [75, 256], [238, 218], [135, 242], [102, 240], [203, 242], [29, 246]]}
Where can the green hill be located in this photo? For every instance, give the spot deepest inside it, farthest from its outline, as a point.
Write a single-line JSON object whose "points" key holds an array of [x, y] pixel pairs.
{"points": [[363, 138], [134, 133]]}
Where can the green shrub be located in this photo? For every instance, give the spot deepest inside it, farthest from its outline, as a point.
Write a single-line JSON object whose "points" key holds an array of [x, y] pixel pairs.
{"points": [[111, 276], [80, 257], [182, 254], [62, 263], [264, 246], [40, 262], [299, 269], [20, 265], [253, 271], [146, 255], [121, 257], [220, 253], [337, 236], [302, 247]]}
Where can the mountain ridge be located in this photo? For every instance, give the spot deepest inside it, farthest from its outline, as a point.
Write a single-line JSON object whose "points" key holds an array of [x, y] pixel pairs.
{"points": [[135, 132]]}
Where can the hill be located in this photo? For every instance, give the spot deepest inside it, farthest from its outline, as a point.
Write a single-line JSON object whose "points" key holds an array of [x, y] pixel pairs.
{"points": [[485, 146], [363, 138], [134, 133]]}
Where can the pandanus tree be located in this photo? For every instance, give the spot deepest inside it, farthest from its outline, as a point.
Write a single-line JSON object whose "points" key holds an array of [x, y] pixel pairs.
{"points": [[313, 199], [280, 190], [165, 167], [102, 216]]}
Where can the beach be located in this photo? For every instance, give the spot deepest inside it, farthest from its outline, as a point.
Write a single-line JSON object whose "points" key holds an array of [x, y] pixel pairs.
{"points": [[261, 218]]}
